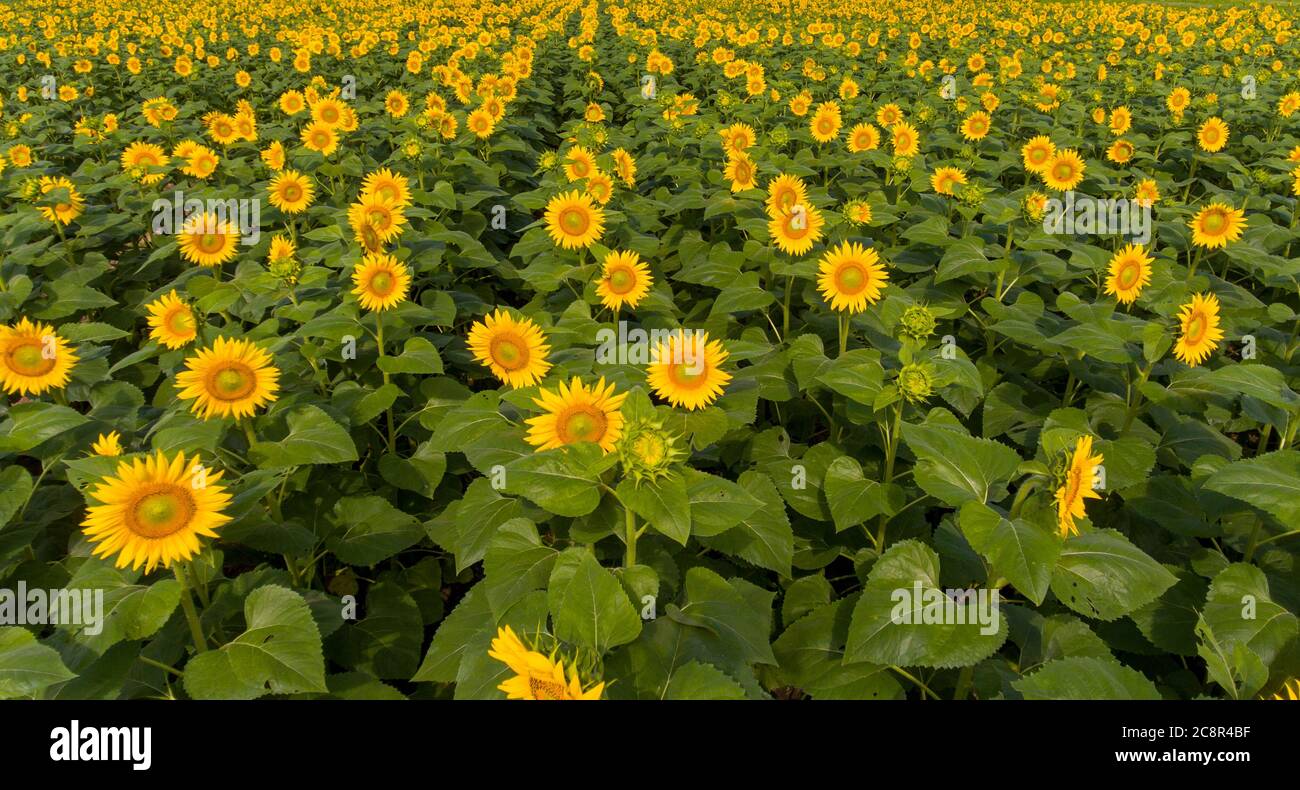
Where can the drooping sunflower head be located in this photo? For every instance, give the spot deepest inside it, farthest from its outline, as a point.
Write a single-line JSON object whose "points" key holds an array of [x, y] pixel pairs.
{"points": [[1077, 482], [108, 444], [381, 281], [1064, 170], [851, 277], [537, 675], [232, 378], [574, 221], [576, 413], [33, 358], [514, 349], [388, 186], [291, 191], [171, 321], [626, 280], [154, 510], [1200, 331], [686, 369], [1130, 272], [1217, 224], [208, 240]]}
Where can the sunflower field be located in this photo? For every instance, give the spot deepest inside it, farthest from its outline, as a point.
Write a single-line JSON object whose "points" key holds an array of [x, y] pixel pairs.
{"points": [[583, 349]]}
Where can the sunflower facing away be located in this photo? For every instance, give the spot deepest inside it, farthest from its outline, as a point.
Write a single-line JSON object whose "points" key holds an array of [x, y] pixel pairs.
{"points": [[576, 413], [515, 350], [537, 676], [626, 280], [1080, 474], [33, 358], [850, 277], [232, 378], [574, 221], [1130, 271], [154, 511], [171, 321], [1200, 331], [381, 281], [1216, 225], [686, 370], [207, 240]]}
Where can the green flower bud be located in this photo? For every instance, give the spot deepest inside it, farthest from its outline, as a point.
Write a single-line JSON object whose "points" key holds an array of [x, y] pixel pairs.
{"points": [[917, 322], [916, 382]]}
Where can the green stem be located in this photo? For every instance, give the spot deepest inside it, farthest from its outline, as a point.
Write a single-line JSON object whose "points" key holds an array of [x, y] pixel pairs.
{"points": [[191, 614], [161, 665], [963, 682], [388, 413], [891, 453], [629, 518]]}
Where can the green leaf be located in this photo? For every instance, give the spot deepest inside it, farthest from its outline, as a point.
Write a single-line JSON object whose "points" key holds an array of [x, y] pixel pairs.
{"points": [[853, 499], [1103, 576], [33, 423], [559, 480], [764, 537], [811, 653], [516, 562], [15, 488], [955, 468], [588, 605], [1017, 550], [695, 680], [716, 503], [371, 530], [1270, 482], [27, 666], [662, 503], [314, 438], [1086, 679], [418, 356]]}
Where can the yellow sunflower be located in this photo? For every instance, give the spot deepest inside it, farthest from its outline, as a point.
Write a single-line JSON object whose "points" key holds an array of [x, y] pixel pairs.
{"points": [[207, 240], [738, 137], [108, 444], [142, 160], [33, 358], [381, 281], [1130, 272], [905, 139], [578, 163], [1148, 192], [784, 193], [1037, 154], [851, 277], [574, 221], [388, 186], [66, 204], [385, 219], [863, 137], [976, 126], [154, 511], [171, 321], [320, 138], [946, 180], [600, 187], [537, 676], [825, 123], [1290, 690], [1064, 170], [576, 413], [232, 378], [291, 191], [1200, 331], [625, 281], [515, 350], [1217, 224], [686, 370], [1080, 475], [1120, 151], [1212, 135], [740, 171], [797, 231]]}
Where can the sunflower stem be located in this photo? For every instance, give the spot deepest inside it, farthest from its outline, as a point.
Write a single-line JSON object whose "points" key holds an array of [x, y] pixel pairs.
{"points": [[388, 413], [191, 614], [629, 518]]}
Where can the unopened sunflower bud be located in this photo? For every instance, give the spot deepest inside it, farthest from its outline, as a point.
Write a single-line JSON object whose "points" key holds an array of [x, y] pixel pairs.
{"points": [[917, 322], [916, 382]]}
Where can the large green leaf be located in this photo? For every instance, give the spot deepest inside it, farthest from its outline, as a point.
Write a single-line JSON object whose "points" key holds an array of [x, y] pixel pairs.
{"points": [[1101, 575]]}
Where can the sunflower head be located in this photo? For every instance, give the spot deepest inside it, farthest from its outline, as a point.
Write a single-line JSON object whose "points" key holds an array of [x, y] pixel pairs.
{"points": [[171, 321], [381, 281], [514, 349], [232, 378], [575, 413], [625, 281], [916, 381], [686, 369], [109, 444], [539, 675], [1200, 330], [917, 323], [33, 359], [648, 451], [1076, 480]]}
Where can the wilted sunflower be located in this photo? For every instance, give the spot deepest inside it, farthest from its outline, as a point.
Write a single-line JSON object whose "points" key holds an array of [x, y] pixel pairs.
{"points": [[537, 676], [381, 281], [1064, 170], [33, 358], [1080, 474], [1037, 154], [232, 378], [515, 350], [1217, 224], [154, 511], [851, 277], [576, 413], [626, 280], [171, 321], [686, 370], [574, 221], [291, 191], [1130, 271], [1200, 332]]}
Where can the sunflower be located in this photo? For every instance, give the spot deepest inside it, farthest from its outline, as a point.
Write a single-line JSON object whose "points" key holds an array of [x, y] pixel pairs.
{"points": [[889, 115], [825, 123], [273, 156], [327, 112], [172, 321], [1199, 322], [625, 166], [537, 676], [207, 240], [142, 159], [738, 137], [292, 102], [320, 138], [1064, 170], [515, 350], [740, 171], [396, 103], [33, 358], [946, 180], [390, 187], [1290, 690], [1212, 135], [232, 378], [381, 281], [222, 127], [1178, 100], [796, 231], [858, 212], [67, 202], [1120, 151], [108, 444], [578, 163], [1130, 271], [784, 193], [600, 187], [573, 221], [1217, 224], [863, 137], [686, 370], [850, 277], [625, 281], [1037, 154], [976, 126], [291, 191], [154, 511], [1080, 475], [201, 162], [576, 413], [385, 219], [480, 122], [906, 142], [1148, 192], [1121, 120]]}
